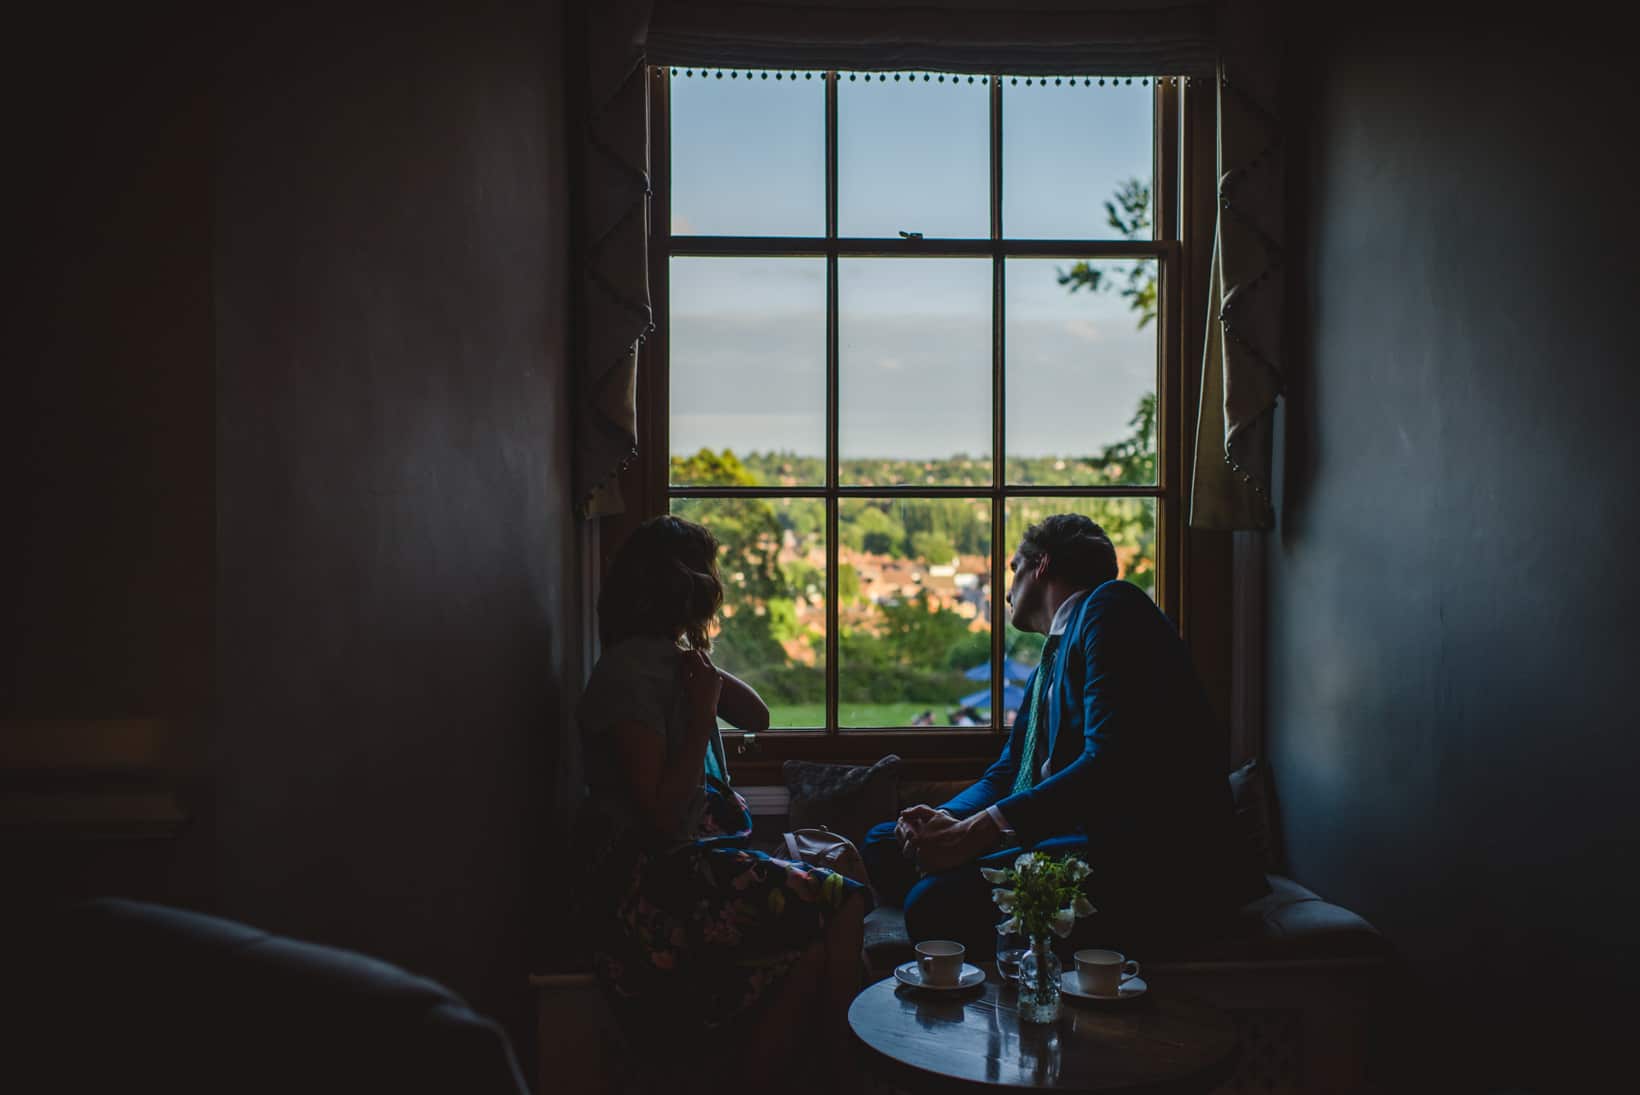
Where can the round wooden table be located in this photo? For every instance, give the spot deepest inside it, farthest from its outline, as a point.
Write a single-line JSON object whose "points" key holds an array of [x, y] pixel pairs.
{"points": [[972, 1039]]}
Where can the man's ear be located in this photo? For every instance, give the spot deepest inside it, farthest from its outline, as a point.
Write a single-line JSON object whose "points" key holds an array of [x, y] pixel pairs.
{"points": [[1041, 568]]}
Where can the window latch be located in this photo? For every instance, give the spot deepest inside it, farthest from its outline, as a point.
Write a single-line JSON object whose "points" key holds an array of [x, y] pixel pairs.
{"points": [[748, 744], [904, 235]]}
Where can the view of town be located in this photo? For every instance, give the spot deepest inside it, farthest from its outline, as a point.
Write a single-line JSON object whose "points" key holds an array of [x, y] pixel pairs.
{"points": [[914, 579]]}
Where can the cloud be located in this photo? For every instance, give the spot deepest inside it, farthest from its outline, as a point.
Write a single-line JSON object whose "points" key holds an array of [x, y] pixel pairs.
{"points": [[1084, 329], [682, 226], [910, 385]]}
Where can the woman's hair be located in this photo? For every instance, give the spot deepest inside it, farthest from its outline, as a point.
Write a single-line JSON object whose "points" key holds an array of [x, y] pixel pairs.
{"points": [[664, 581]]}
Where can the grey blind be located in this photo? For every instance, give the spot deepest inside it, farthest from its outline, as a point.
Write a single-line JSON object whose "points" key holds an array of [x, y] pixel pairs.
{"points": [[1046, 37]]}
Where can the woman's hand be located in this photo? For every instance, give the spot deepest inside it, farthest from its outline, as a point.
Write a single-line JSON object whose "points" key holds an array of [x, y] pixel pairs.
{"points": [[702, 687]]}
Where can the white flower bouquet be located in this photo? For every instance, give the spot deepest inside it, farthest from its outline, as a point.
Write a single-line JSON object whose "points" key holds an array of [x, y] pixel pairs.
{"points": [[1041, 893]]}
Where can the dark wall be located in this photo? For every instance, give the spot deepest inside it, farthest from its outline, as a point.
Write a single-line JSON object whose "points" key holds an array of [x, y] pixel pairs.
{"points": [[393, 514], [107, 467], [108, 385], [1453, 586], [287, 459]]}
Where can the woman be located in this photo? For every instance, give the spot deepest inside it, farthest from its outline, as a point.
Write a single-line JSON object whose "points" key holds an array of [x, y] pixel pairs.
{"points": [[696, 935]]}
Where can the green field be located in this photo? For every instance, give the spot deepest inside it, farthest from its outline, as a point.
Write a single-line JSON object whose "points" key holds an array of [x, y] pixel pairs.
{"points": [[811, 715]]}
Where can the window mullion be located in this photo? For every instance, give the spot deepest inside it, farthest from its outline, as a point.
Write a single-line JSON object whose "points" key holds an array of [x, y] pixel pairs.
{"points": [[1170, 472], [832, 583], [831, 158], [999, 472]]}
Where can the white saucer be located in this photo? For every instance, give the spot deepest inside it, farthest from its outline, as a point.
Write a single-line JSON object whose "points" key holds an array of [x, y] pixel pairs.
{"points": [[1130, 989], [907, 973]]}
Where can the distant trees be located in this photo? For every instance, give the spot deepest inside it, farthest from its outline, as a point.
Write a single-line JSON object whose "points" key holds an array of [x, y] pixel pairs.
{"points": [[911, 652], [874, 532], [907, 650], [757, 593], [932, 548]]}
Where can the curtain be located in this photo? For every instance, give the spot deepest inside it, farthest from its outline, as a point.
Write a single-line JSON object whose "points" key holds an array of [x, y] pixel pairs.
{"points": [[613, 208], [1242, 361], [1230, 38]]}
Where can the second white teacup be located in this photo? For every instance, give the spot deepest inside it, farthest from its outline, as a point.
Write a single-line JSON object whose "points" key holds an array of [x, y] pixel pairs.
{"points": [[1102, 972], [940, 961]]}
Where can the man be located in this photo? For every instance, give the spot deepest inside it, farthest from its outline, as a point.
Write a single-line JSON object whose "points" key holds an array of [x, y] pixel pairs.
{"points": [[1114, 757]]}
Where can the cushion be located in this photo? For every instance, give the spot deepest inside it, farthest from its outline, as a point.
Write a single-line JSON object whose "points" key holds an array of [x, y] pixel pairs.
{"points": [[1294, 922], [845, 798], [931, 791], [887, 943], [1289, 923], [1254, 805]]}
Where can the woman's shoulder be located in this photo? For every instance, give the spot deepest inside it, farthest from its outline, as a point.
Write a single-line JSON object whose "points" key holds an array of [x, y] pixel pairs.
{"points": [[633, 678], [643, 654]]}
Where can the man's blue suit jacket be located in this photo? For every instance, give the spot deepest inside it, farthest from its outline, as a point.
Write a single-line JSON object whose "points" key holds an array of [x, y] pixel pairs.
{"points": [[1138, 766]]}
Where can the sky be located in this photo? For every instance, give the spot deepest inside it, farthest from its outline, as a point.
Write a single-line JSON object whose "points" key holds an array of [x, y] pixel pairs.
{"points": [[747, 335]]}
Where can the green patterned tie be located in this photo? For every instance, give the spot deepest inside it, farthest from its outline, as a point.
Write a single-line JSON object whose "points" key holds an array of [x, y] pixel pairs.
{"points": [[1027, 754]]}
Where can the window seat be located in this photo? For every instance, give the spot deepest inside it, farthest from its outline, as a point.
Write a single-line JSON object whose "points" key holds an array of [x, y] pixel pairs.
{"points": [[1289, 924]]}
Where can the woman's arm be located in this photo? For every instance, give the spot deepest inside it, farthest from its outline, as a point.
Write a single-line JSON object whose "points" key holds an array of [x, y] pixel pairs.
{"points": [[661, 785], [742, 707]]}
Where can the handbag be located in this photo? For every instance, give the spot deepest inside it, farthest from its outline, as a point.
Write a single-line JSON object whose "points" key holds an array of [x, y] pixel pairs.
{"points": [[824, 848]]}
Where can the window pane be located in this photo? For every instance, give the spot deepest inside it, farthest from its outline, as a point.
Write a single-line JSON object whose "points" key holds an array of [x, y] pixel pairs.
{"points": [[914, 610], [913, 155], [1067, 150], [748, 155], [1129, 522], [772, 630], [747, 339], [1082, 371], [914, 389]]}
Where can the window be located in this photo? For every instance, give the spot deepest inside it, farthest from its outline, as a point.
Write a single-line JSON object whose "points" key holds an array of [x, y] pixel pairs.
{"points": [[902, 316]]}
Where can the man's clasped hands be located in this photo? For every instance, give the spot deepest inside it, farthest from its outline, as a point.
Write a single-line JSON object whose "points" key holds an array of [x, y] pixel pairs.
{"points": [[937, 840]]}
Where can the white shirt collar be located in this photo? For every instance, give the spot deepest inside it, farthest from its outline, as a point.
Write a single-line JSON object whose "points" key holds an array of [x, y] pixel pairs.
{"points": [[1062, 618]]}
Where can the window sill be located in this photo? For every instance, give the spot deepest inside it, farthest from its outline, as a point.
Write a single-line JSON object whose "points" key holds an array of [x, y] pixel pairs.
{"points": [[924, 755]]}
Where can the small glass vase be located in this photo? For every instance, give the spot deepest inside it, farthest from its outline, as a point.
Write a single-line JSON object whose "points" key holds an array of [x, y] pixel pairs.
{"points": [[1011, 949], [1039, 974]]}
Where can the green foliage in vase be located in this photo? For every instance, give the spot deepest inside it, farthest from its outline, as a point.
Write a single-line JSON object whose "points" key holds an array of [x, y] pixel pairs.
{"points": [[1041, 893]]}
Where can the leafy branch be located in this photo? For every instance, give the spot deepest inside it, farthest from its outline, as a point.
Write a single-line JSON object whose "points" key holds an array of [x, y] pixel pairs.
{"points": [[1128, 214]]}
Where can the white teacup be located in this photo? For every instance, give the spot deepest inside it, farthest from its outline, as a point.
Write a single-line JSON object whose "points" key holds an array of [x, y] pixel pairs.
{"points": [[940, 961], [1101, 972]]}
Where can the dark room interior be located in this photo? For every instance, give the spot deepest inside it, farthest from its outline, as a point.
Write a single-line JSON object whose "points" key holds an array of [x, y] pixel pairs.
{"points": [[298, 585]]}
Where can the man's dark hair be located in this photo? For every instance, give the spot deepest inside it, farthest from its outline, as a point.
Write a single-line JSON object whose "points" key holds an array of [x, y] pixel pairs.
{"points": [[1079, 553]]}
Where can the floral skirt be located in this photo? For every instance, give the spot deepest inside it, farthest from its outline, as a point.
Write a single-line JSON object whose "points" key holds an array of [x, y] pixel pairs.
{"points": [[702, 934]]}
